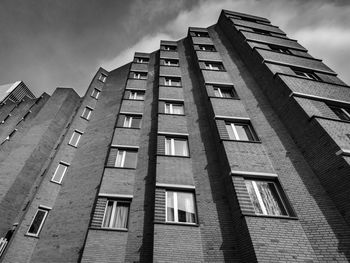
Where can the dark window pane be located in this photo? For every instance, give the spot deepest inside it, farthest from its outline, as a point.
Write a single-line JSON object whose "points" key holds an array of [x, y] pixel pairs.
{"points": [[35, 226]]}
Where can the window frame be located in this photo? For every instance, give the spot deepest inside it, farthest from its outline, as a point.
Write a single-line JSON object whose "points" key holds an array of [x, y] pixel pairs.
{"points": [[203, 47], [122, 151], [210, 65], [115, 203], [168, 81], [71, 138], [171, 150], [130, 122], [171, 107], [135, 93], [46, 211], [235, 132], [306, 74], [95, 93], [139, 75], [201, 34], [345, 110], [282, 199], [141, 60], [102, 77], [176, 214], [66, 165], [88, 115], [167, 62], [279, 49], [169, 47], [231, 90]]}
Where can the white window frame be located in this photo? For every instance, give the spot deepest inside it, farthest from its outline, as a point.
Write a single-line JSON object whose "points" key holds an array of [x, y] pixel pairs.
{"points": [[63, 174], [168, 82], [176, 215], [140, 75], [260, 199], [89, 114], [141, 60], [41, 223], [71, 138], [95, 93], [220, 92], [167, 62], [232, 124], [210, 66], [123, 154], [134, 93], [102, 77], [172, 146], [171, 109], [115, 202]]}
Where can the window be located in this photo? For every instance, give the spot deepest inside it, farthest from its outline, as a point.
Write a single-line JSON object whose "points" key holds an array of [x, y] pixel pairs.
{"points": [[172, 81], [207, 47], [26, 115], [180, 207], [240, 131], [200, 34], [280, 49], [137, 95], [139, 75], [74, 140], [130, 121], [95, 93], [116, 214], [37, 222], [86, 113], [260, 31], [102, 77], [341, 112], [59, 172], [174, 108], [171, 62], [265, 198], [176, 146], [122, 158], [306, 74], [11, 134], [142, 60], [214, 66], [222, 92], [169, 48]]}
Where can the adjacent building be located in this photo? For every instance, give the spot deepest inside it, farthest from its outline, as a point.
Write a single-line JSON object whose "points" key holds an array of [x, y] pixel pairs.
{"points": [[229, 145]]}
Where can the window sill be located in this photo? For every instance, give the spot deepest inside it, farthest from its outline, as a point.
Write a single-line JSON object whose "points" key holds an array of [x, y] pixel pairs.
{"points": [[216, 70], [233, 98], [327, 118], [170, 86], [171, 66], [31, 235], [137, 78], [94, 97], [73, 145], [134, 99], [84, 118], [178, 156], [135, 62], [177, 224], [162, 113], [229, 140], [271, 216], [125, 168], [55, 182], [129, 128], [109, 229], [206, 50]]}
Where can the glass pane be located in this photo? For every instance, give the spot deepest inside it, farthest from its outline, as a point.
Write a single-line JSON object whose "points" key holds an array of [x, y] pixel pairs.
{"points": [[186, 208], [340, 113], [217, 93], [59, 173], [108, 213], [230, 132], [167, 146], [135, 122], [121, 215], [167, 108], [253, 197], [35, 226], [127, 121], [119, 159], [244, 133], [170, 206], [178, 109], [130, 159], [181, 147], [226, 93], [270, 198], [139, 96], [75, 138]]}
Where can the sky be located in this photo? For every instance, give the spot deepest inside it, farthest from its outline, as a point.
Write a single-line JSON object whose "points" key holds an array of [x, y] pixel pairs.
{"points": [[62, 43]]}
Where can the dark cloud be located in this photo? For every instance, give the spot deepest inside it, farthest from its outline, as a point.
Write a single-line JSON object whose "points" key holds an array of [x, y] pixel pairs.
{"points": [[50, 43]]}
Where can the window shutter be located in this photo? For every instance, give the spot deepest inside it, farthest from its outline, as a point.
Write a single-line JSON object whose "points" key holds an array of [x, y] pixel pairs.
{"points": [[161, 105], [127, 94], [162, 62], [121, 120], [112, 157], [161, 81], [201, 65], [161, 145], [196, 47], [159, 206], [99, 211], [131, 75], [242, 195], [210, 90], [222, 130]]}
